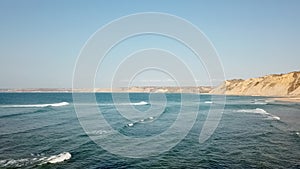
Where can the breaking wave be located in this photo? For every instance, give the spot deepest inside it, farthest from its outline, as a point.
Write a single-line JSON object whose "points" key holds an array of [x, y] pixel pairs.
{"points": [[141, 103], [149, 119], [259, 101], [37, 105], [97, 132], [260, 111], [12, 163], [57, 158]]}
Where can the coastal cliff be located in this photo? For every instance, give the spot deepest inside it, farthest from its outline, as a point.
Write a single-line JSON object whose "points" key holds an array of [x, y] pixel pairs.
{"points": [[283, 85], [280, 85]]}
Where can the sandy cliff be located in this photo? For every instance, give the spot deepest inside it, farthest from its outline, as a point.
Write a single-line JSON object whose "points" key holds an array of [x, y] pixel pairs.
{"points": [[270, 85]]}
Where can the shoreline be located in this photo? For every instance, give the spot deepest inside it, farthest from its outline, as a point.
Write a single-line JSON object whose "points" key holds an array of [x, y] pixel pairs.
{"points": [[287, 99], [146, 89], [188, 90]]}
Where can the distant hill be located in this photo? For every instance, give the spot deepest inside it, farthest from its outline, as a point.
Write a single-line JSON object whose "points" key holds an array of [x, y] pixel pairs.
{"points": [[270, 85], [137, 89], [166, 89]]}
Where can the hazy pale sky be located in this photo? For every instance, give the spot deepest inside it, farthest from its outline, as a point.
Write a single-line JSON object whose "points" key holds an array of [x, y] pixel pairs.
{"points": [[40, 40]]}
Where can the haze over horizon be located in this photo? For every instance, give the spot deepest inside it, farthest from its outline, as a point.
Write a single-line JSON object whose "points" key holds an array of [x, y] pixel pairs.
{"points": [[40, 40]]}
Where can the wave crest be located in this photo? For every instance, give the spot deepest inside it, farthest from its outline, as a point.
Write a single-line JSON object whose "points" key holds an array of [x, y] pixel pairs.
{"points": [[12, 163], [37, 105], [141, 103], [58, 158], [259, 111]]}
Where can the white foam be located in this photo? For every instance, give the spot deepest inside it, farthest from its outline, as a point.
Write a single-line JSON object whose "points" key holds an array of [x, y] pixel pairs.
{"points": [[275, 117], [139, 103], [14, 163], [149, 119], [58, 158], [97, 132], [37, 160], [259, 111], [260, 102], [38, 105], [59, 104], [130, 124]]}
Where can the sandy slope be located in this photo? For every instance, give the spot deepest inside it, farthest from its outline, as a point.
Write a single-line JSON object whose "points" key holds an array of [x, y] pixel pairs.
{"points": [[283, 85]]}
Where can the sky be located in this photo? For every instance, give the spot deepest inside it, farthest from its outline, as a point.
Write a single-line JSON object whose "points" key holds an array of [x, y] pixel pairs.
{"points": [[41, 40]]}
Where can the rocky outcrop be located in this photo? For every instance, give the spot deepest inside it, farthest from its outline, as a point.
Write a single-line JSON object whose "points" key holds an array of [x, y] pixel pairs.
{"points": [[270, 85]]}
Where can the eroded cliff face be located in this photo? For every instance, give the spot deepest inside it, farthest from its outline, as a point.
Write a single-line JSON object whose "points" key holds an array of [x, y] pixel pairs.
{"points": [[271, 85]]}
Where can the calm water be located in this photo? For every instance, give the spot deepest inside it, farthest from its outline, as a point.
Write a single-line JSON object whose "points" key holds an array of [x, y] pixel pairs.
{"points": [[38, 130]]}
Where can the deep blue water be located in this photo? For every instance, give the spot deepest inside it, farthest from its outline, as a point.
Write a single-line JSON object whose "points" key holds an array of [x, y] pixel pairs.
{"points": [[254, 132]]}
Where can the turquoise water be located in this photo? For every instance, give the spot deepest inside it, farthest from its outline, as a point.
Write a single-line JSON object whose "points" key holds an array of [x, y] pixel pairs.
{"points": [[41, 130]]}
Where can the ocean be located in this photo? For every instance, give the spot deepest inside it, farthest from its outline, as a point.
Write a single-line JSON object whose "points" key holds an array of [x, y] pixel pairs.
{"points": [[45, 130]]}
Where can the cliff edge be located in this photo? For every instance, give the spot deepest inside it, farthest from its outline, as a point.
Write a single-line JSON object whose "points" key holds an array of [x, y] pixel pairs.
{"points": [[283, 85]]}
